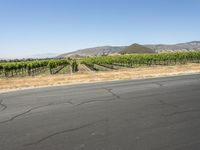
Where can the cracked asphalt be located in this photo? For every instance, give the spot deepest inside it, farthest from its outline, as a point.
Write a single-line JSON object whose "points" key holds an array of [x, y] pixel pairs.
{"points": [[149, 114]]}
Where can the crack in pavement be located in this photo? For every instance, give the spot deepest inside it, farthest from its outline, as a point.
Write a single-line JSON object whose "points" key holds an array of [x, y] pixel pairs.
{"points": [[70, 102], [67, 102], [21, 114], [167, 104], [92, 101], [107, 100], [113, 94], [182, 112], [34, 108], [2, 105], [159, 84], [31, 109], [62, 132]]}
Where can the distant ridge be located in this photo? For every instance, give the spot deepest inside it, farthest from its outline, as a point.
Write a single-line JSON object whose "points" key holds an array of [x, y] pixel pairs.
{"points": [[106, 50], [95, 51], [136, 48], [193, 45]]}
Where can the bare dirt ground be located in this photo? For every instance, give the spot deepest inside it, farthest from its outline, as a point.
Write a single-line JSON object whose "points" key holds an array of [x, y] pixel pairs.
{"points": [[9, 84], [83, 69]]}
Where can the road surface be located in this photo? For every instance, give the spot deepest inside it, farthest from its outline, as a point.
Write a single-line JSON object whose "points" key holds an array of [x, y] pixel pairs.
{"points": [[150, 114]]}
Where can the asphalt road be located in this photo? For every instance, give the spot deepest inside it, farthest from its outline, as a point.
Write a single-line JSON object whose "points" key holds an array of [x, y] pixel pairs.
{"points": [[151, 114]]}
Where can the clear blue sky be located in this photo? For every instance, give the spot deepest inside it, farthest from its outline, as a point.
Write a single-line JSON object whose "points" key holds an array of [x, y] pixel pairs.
{"points": [[55, 26]]}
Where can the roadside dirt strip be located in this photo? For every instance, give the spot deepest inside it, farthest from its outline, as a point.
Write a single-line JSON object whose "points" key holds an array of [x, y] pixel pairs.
{"points": [[85, 75]]}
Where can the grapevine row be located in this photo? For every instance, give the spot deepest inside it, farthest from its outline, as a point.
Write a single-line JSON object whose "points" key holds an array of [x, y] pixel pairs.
{"points": [[30, 68], [135, 60]]}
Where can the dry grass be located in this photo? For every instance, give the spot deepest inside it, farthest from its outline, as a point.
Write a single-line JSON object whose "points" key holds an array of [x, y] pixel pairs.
{"points": [[137, 73]]}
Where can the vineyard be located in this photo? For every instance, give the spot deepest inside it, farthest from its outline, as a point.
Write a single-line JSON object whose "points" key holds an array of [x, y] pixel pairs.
{"points": [[35, 67], [137, 60], [100, 63]]}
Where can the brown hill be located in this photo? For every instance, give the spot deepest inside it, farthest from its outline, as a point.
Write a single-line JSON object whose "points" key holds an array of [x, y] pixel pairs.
{"points": [[136, 48]]}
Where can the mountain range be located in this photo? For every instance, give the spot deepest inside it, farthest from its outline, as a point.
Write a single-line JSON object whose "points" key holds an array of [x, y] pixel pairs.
{"points": [[194, 45], [105, 50]]}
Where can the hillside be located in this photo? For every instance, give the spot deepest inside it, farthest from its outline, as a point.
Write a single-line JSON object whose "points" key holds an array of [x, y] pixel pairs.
{"points": [[194, 45], [104, 50], [136, 48]]}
